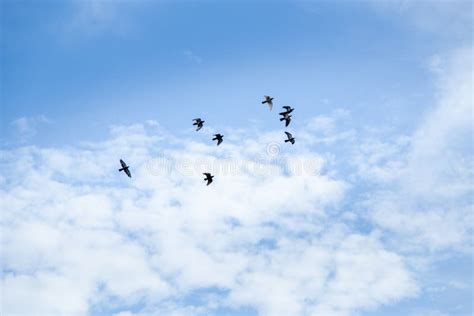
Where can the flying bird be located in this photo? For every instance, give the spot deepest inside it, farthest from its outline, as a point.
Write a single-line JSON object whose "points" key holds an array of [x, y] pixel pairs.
{"points": [[290, 139], [287, 118], [208, 178], [219, 138], [288, 109], [269, 101], [199, 123], [125, 168]]}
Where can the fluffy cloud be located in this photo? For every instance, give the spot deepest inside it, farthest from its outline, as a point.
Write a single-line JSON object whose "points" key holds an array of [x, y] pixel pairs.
{"points": [[282, 230], [78, 235]]}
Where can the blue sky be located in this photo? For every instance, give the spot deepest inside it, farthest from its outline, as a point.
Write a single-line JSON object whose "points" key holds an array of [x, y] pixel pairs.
{"points": [[208, 57], [369, 213]]}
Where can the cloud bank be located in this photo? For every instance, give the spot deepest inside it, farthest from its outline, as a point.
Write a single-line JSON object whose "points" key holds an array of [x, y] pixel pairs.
{"points": [[283, 230]]}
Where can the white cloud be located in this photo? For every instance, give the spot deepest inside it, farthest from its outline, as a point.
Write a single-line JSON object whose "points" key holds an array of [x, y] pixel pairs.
{"points": [[82, 234], [430, 179], [26, 127], [325, 278]]}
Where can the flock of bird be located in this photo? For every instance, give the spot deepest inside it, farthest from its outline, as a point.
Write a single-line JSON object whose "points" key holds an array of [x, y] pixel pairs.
{"points": [[199, 123]]}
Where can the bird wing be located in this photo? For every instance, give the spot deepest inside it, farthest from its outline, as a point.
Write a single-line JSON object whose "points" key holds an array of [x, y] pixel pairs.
{"points": [[289, 135], [270, 105], [127, 172], [288, 120], [197, 119], [123, 163], [219, 141], [207, 174], [286, 107]]}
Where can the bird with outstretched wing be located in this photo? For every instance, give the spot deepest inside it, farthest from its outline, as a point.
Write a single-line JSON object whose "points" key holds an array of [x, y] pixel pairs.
{"points": [[199, 123], [288, 110], [125, 168], [219, 138], [287, 118], [208, 178], [269, 101], [290, 139]]}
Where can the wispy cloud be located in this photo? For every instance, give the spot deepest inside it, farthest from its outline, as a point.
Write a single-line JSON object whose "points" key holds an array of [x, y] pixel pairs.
{"points": [[432, 177], [25, 128], [192, 56], [447, 18], [100, 17]]}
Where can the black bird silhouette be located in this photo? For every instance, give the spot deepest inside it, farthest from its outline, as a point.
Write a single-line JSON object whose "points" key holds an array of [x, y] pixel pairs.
{"points": [[288, 109], [287, 118], [208, 178], [268, 100], [290, 139], [219, 138], [199, 123], [125, 168]]}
